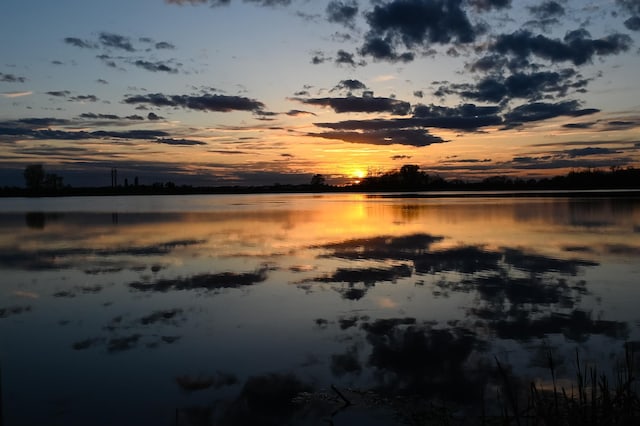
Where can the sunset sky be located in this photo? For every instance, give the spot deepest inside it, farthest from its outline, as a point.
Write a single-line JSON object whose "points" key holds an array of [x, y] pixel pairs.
{"points": [[250, 92]]}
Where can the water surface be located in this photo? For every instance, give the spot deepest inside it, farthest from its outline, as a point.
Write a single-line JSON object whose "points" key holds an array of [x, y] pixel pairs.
{"points": [[218, 309]]}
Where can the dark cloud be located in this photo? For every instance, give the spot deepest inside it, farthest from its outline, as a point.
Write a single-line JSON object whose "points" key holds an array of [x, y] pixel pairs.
{"points": [[59, 93], [77, 42], [633, 23], [547, 9], [467, 117], [576, 47], [542, 111], [485, 5], [42, 122], [84, 98], [171, 141], [80, 134], [350, 85], [582, 152], [164, 45], [579, 125], [382, 49], [297, 112], [631, 6], [155, 66], [458, 122], [412, 137], [215, 3], [342, 12], [461, 111], [153, 117], [206, 102], [345, 58], [534, 86], [10, 78], [563, 162], [415, 23], [108, 61], [318, 58], [116, 41], [93, 116], [361, 104]]}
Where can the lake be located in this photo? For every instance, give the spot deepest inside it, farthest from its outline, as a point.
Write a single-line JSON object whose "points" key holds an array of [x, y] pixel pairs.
{"points": [[219, 309]]}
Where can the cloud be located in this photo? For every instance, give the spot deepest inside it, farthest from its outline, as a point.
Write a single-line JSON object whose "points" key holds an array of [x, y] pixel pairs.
{"points": [[562, 162], [576, 47], [415, 23], [368, 104], [206, 102], [350, 85], [164, 45], [155, 66], [467, 117], [153, 117], [77, 42], [59, 93], [412, 137], [215, 3], [171, 141], [547, 10], [16, 94], [116, 41], [382, 49], [633, 23], [345, 58], [10, 78], [542, 111], [297, 112], [533, 86], [631, 6], [34, 129], [583, 152], [342, 12], [486, 5], [93, 116], [84, 98]]}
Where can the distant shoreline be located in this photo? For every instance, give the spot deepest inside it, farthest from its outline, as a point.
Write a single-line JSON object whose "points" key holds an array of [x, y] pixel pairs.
{"points": [[409, 179], [427, 193]]}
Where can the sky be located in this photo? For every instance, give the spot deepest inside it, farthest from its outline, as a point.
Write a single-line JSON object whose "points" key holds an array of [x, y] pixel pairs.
{"points": [[259, 92]]}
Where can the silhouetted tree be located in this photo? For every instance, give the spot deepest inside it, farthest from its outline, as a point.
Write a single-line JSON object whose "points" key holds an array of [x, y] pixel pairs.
{"points": [[34, 176], [318, 180]]}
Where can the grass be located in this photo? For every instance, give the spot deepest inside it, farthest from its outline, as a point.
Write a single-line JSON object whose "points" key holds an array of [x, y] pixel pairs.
{"points": [[589, 398], [592, 399]]}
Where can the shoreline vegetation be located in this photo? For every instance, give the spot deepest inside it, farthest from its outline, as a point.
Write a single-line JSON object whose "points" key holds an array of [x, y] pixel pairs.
{"points": [[588, 398], [409, 178]]}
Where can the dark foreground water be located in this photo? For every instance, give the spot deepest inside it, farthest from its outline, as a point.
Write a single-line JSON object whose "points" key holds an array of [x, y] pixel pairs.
{"points": [[220, 309]]}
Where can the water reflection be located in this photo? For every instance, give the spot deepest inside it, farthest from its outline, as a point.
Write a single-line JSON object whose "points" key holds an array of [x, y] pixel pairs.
{"points": [[224, 313]]}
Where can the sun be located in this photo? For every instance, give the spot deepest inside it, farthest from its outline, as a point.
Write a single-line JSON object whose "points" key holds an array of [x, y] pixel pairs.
{"points": [[358, 173]]}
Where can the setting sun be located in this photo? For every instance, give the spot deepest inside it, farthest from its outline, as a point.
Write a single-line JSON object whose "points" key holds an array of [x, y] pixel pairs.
{"points": [[358, 174]]}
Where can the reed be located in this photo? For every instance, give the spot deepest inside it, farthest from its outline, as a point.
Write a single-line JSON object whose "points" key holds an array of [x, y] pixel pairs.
{"points": [[591, 400]]}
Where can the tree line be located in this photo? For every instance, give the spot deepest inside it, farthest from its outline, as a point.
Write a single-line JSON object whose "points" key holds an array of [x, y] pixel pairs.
{"points": [[409, 177]]}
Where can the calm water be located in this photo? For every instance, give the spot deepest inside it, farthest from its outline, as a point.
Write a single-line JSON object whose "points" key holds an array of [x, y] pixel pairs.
{"points": [[218, 309]]}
